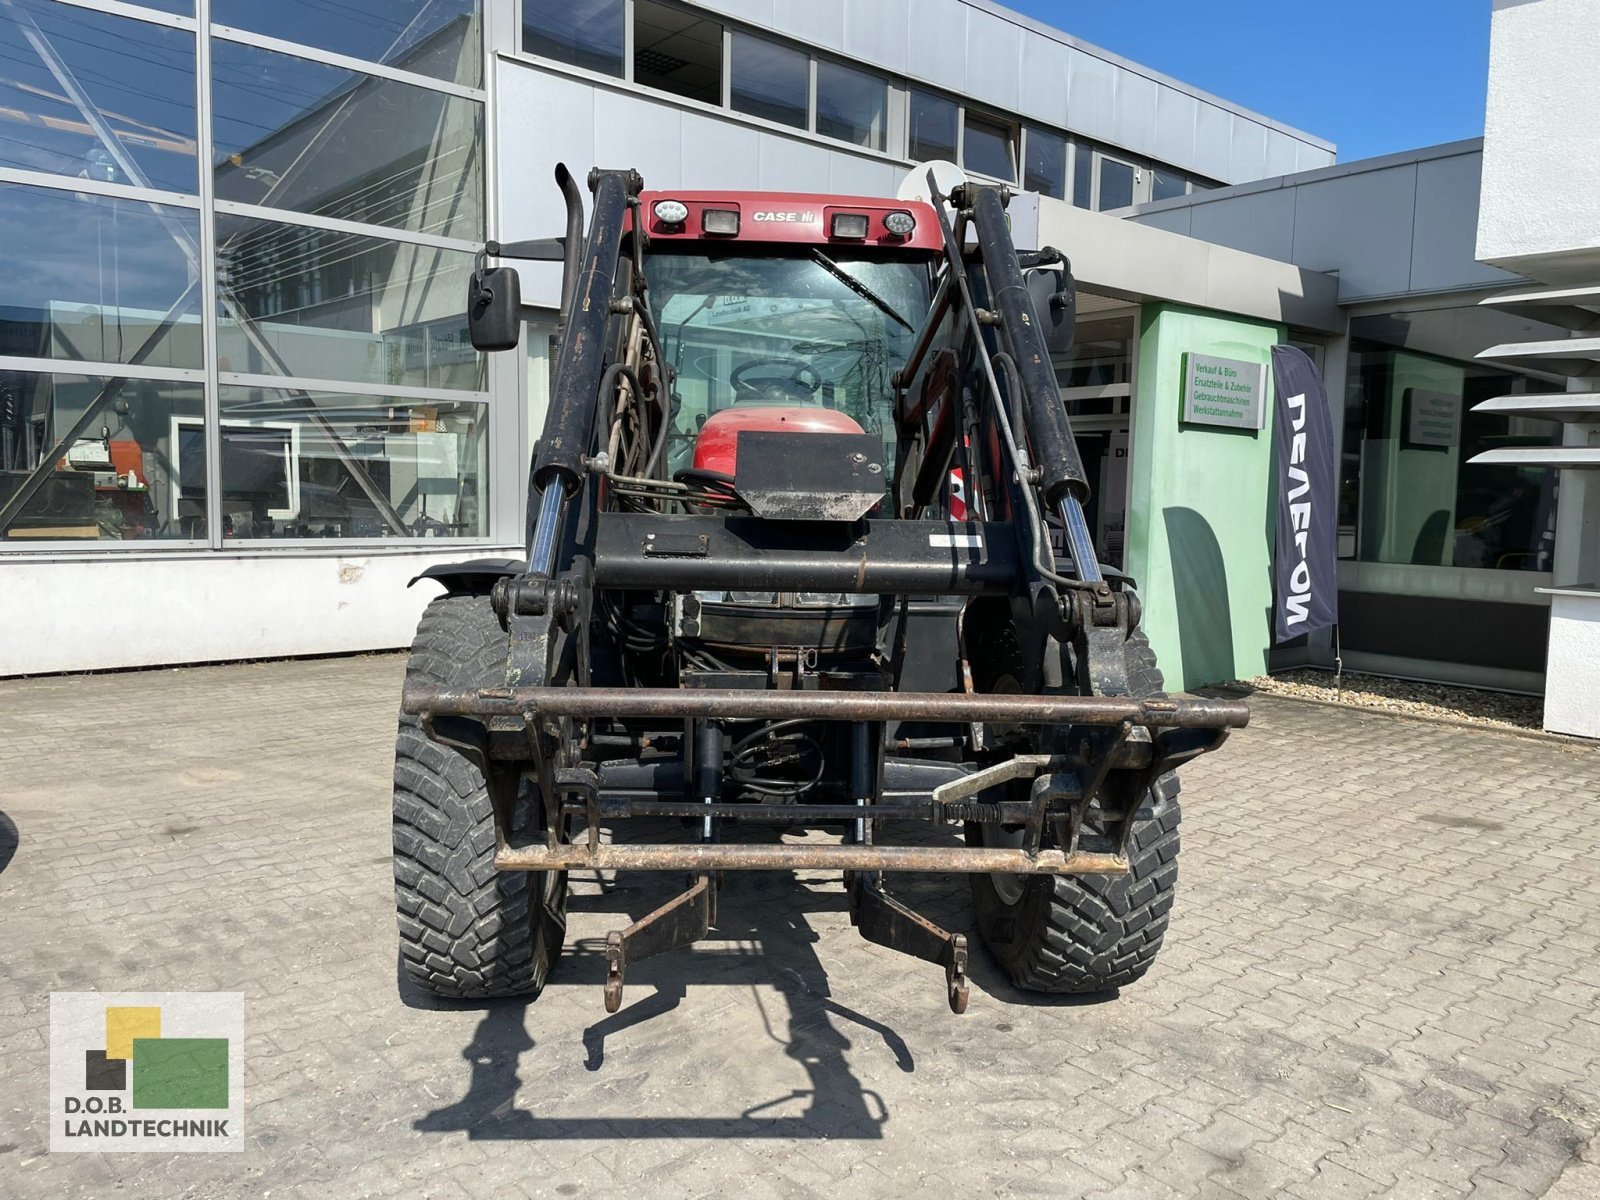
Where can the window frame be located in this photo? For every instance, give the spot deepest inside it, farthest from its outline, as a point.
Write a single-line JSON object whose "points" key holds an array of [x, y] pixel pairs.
{"points": [[998, 120]]}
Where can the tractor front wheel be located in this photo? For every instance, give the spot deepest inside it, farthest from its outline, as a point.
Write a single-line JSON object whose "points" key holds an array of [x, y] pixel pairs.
{"points": [[1081, 933], [467, 931]]}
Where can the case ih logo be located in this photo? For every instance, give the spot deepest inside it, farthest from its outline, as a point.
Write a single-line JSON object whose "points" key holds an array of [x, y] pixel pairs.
{"points": [[803, 218], [146, 1071]]}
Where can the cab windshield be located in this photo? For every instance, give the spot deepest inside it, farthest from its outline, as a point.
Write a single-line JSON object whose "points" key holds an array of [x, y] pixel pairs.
{"points": [[823, 329]]}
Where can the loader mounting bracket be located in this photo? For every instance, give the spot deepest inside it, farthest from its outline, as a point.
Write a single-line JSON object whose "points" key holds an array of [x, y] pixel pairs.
{"points": [[681, 921], [884, 921]]}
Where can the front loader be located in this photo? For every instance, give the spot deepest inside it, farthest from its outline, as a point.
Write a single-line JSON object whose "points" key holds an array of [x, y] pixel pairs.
{"points": [[808, 586]]}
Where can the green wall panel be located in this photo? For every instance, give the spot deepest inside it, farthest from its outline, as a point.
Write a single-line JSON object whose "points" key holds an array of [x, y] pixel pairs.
{"points": [[1199, 512]]}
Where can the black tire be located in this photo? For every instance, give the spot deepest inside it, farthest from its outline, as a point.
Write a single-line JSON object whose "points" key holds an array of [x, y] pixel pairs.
{"points": [[1089, 933], [467, 930]]}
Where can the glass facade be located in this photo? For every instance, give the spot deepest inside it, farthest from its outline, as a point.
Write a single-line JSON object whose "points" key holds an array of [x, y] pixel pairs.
{"points": [[277, 350], [1409, 492]]}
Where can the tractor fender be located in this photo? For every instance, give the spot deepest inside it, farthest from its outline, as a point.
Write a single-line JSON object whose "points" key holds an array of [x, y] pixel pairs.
{"points": [[475, 575]]}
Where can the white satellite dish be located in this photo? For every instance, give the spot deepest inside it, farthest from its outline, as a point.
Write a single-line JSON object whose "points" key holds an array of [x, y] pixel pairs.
{"points": [[946, 175]]}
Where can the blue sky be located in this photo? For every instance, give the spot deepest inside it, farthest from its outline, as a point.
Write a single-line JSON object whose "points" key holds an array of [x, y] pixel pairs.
{"points": [[1373, 76]]}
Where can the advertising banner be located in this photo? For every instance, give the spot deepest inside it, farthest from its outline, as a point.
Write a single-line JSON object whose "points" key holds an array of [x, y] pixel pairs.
{"points": [[1305, 565]]}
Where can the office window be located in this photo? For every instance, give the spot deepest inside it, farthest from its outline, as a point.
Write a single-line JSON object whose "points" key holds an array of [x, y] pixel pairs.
{"points": [[1166, 185], [989, 147], [99, 280], [1409, 491], [117, 479], [1083, 176], [138, 76], [1047, 164], [852, 105], [935, 122], [1116, 184], [333, 305], [299, 464], [585, 33], [677, 51], [300, 135], [771, 81], [438, 38]]}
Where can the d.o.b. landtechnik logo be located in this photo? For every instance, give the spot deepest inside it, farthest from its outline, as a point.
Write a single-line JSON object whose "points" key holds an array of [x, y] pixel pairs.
{"points": [[146, 1071]]}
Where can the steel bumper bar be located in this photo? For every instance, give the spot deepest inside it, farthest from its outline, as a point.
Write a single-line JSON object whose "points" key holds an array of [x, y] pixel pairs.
{"points": [[734, 704], [698, 858]]}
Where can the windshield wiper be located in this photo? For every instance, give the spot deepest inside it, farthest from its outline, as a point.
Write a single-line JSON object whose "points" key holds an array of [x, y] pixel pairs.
{"points": [[859, 288]]}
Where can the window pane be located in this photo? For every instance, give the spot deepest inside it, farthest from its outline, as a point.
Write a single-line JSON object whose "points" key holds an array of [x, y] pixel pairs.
{"points": [[1410, 493], [851, 105], [1083, 176], [1116, 184], [93, 278], [341, 306], [122, 480], [139, 76], [330, 465], [439, 38], [585, 33], [1165, 185], [770, 80], [933, 127], [676, 51], [1047, 164], [989, 148], [317, 139]]}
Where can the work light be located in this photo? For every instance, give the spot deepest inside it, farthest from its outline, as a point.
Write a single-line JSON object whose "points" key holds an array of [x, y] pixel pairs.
{"points": [[672, 212], [724, 221], [850, 225], [900, 223]]}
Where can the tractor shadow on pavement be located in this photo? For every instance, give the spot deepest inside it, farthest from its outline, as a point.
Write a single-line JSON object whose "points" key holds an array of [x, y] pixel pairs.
{"points": [[10, 839], [763, 939]]}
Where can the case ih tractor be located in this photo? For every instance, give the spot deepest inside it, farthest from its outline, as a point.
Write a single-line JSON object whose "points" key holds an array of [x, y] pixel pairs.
{"points": [[806, 554]]}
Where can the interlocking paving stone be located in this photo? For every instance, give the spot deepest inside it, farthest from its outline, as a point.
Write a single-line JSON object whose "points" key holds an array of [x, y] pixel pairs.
{"points": [[1382, 979]]}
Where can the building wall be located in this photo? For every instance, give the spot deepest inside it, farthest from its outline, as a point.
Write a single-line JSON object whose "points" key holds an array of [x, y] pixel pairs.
{"points": [[999, 57], [82, 614], [1199, 521], [1541, 175], [1394, 226]]}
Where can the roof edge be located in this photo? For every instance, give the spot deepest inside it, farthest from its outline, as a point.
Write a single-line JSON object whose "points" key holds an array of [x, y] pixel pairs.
{"points": [[1057, 35]]}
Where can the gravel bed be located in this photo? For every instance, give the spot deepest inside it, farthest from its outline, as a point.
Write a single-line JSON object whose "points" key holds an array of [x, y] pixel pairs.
{"points": [[1492, 709]]}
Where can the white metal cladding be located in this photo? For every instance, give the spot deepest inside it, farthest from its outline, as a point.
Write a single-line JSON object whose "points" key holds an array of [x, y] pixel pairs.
{"points": [[1393, 226], [992, 56]]}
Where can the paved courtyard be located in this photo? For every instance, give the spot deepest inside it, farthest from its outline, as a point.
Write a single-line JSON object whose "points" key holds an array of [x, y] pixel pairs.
{"points": [[1382, 979]]}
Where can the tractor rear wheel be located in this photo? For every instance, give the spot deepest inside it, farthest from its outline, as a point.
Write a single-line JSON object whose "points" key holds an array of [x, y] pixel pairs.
{"points": [[1085, 933], [467, 930]]}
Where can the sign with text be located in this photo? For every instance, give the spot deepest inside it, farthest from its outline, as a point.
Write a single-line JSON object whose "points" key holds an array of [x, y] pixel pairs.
{"points": [[151, 1071], [1433, 419], [1224, 391]]}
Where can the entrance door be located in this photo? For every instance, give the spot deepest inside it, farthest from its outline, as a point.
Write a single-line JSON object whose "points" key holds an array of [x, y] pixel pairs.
{"points": [[1105, 462]]}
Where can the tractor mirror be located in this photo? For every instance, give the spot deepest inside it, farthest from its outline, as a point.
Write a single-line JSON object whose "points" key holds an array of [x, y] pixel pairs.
{"points": [[494, 301], [1055, 299]]}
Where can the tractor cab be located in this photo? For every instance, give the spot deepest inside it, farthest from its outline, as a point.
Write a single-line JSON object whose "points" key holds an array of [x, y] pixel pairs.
{"points": [[784, 314]]}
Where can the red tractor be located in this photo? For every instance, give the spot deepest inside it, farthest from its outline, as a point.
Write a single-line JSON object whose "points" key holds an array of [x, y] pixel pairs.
{"points": [[752, 600]]}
